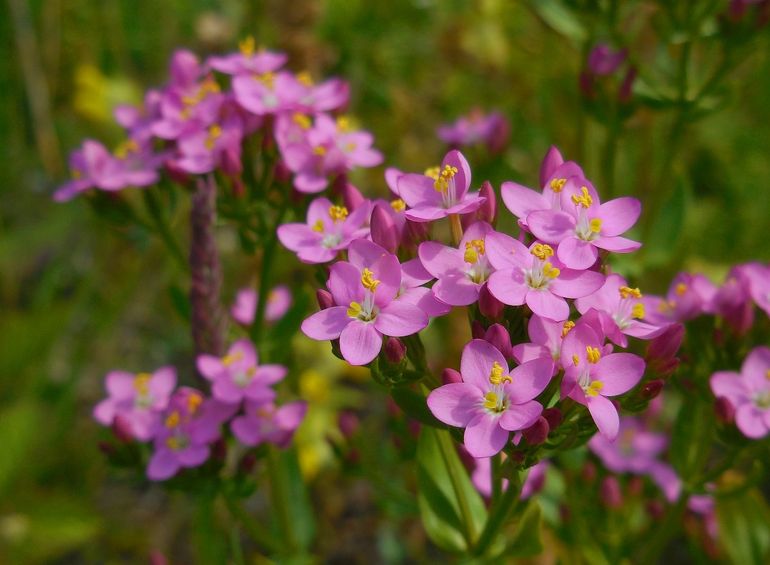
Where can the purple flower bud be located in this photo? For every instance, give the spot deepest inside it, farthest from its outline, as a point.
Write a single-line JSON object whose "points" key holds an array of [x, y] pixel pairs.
{"points": [[626, 87], [351, 196], [665, 347], [610, 492], [488, 210], [121, 429], [281, 172], [348, 423], [724, 410], [395, 350], [652, 389], [324, 298], [553, 416], [537, 433], [231, 162], [383, 229], [551, 162], [489, 306], [603, 60], [498, 336], [450, 376], [417, 231], [477, 330]]}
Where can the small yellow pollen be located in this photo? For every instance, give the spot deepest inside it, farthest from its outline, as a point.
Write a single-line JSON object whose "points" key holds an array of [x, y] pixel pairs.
{"points": [[338, 213], [302, 120], [368, 280], [542, 251], [585, 200], [247, 46], [767, 374], [172, 420], [126, 148], [568, 325], [344, 124], [575, 360], [231, 358], [593, 354], [473, 249], [441, 183], [490, 400], [637, 311], [142, 383], [268, 79], [319, 150], [550, 271], [193, 402], [594, 388], [398, 205], [628, 292], [354, 310], [432, 172], [496, 376], [681, 288], [173, 443], [215, 132], [304, 78], [318, 226], [595, 225], [350, 147], [557, 185]]}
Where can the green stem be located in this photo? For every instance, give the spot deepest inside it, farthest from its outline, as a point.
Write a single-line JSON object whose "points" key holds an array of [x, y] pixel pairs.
{"points": [[498, 515], [610, 152], [667, 528], [235, 545], [497, 479], [279, 497], [260, 536], [445, 446], [162, 228]]}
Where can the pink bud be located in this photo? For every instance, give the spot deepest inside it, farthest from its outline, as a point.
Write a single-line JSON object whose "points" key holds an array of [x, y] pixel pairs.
{"points": [[351, 196], [724, 410], [231, 162], [417, 231], [626, 87], [348, 423], [611, 493], [383, 229], [537, 433], [122, 429], [666, 345], [175, 173], [450, 376], [281, 172], [551, 162], [488, 211], [324, 298], [652, 389], [553, 416], [489, 306], [498, 336], [395, 350]]}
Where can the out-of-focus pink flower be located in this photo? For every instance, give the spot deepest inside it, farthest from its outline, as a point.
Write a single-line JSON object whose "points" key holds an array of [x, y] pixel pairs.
{"points": [[546, 336], [248, 60], [689, 296], [245, 306], [604, 60], [490, 129], [267, 423], [733, 302]]}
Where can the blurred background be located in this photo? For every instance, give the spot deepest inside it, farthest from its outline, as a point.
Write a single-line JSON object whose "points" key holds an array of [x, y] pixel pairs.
{"points": [[80, 295]]}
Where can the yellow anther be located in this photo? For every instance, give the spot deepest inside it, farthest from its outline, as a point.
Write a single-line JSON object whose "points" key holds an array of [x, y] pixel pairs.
{"points": [[681, 288], [568, 325], [595, 225], [350, 147], [302, 120], [637, 311], [304, 78], [575, 360], [189, 100], [142, 383], [496, 376], [338, 213], [557, 185], [585, 200], [354, 310], [215, 132], [542, 251], [441, 184], [77, 174], [231, 358], [172, 420], [398, 205], [208, 86], [173, 443], [666, 306], [318, 226], [344, 124], [247, 46], [628, 292], [126, 148], [432, 172], [767, 374], [594, 388], [490, 400], [193, 402], [268, 79], [368, 280], [550, 271], [593, 354], [319, 150], [473, 249]]}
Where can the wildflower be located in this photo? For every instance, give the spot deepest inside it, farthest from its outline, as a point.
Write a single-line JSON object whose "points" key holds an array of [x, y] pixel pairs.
{"points": [[591, 376], [238, 376], [584, 225], [462, 271], [748, 392], [330, 95], [217, 146], [546, 338], [187, 106], [245, 306], [733, 300], [266, 93], [603, 60], [490, 129], [366, 305], [412, 291], [758, 276], [688, 296], [266, 423], [329, 230], [492, 400], [137, 399], [439, 192], [248, 60], [535, 277]]}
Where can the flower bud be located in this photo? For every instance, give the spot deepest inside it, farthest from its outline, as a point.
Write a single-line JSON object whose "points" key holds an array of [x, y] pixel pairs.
{"points": [[724, 410], [610, 492], [351, 196], [383, 229], [665, 346], [551, 162], [626, 87], [553, 416], [281, 172], [121, 429], [489, 306], [395, 350], [417, 231], [488, 210], [219, 450], [498, 336], [247, 463], [324, 298], [537, 433], [477, 330], [348, 423], [231, 162], [652, 389], [449, 376]]}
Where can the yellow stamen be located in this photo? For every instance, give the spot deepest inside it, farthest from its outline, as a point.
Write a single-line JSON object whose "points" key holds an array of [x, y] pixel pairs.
{"points": [[496, 377], [215, 132], [637, 311], [319, 150], [172, 420], [398, 205], [302, 120], [550, 271], [173, 443], [193, 402], [473, 249], [557, 185], [142, 383], [354, 310], [247, 46], [318, 226], [350, 147], [305, 78], [594, 388], [231, 358], [344, 124], [432, 172], [593, 354], [368, 280], [681, 288], [767, 374], [77, 174], [441, 183], [595, 225], [268, 79], [575, 360], [542, 251], [126, 148], [490, 400], [568, 325], [338, 213], [628, 292], [585, 200]]}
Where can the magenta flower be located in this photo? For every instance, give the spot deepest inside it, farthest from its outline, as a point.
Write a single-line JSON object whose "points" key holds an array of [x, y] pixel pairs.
{"points": [[534, 277], [477, 127], [330, 95], [186, 110], [604, 60], [248, 60], [216, 147], [238, 376], [245, 306], [621, 311], [267, 93], [267, 423], [491, 401], [329, 230], [191, 423], [138, 121], [733, 300], [440, 191], [591, 376], [546, 336], [366, 308], [584, 225], [461, 272], [412, 291], [93, 166], [748, 392], [758, 276], [688, 296], [138, 400]]}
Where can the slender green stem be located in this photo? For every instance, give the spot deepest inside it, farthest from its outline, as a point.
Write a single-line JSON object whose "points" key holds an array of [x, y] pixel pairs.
{"points": [[666, 529], [498, 514], [259, 535], [445, 446], [279, 499], [235, 545], [162, 227], [497, 479]]}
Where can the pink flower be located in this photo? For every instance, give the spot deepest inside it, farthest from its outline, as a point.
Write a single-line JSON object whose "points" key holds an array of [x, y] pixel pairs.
{"points": [[491, 401], [688, 296], [329, 230], [584, 225], [439, 192], [137, 399], [490, 129], [245, 307], [412, 291], [191, 423], [758, 276], [733, 300], [266, 93], [603, 60], [591, 376], [330, 95], [546, 336], [748, 392], [461, 272], [216, 147], [267, 423], [534, 277], [366, 308], [187, 109], [621, 311], [238, 376], [249, 60]]}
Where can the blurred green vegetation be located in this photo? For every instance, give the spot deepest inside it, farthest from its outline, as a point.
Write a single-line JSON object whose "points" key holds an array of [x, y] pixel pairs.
{"points": [[80, 296]]}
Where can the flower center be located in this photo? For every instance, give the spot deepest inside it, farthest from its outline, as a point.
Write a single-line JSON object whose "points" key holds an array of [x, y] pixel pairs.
{"points": [[177, 442], [243, 378], [628, 309], [762, 400], [568, 325], [557, 185], [302, 120], [231, 358], [542, 271], [584, 199], [247, 46], [496, 376], [338, 213], [496, 402], [215, 132], [398, 205]]}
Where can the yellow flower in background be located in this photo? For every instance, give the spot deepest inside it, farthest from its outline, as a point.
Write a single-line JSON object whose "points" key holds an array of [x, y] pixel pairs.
{"points": [[96, 95]]}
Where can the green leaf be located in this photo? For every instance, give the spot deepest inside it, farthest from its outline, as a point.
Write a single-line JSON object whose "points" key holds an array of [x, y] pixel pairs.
{"points": [[20, 427], [744, 527], [666, 233], [526, 540], [437, 499], [299, 508], [691, 437], [414, 405], [559, 17]]}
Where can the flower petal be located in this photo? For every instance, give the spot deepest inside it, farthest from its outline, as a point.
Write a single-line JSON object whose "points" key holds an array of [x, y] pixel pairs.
{"points": [[457, 290], [455, 404], [576, 253], [484, 437], [326, 324], [163, 465], [750, 421], [440, 260], [545, 303], [522, 201], [520, 416], [551, 226], [529, 380], [604, 415], [477, 360], [360, 342], [345, 283], [619, 215], [619, 372], [617, 244], [504, 252], [399, 319], [576, 284], [508, 286], [730, 385]]}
